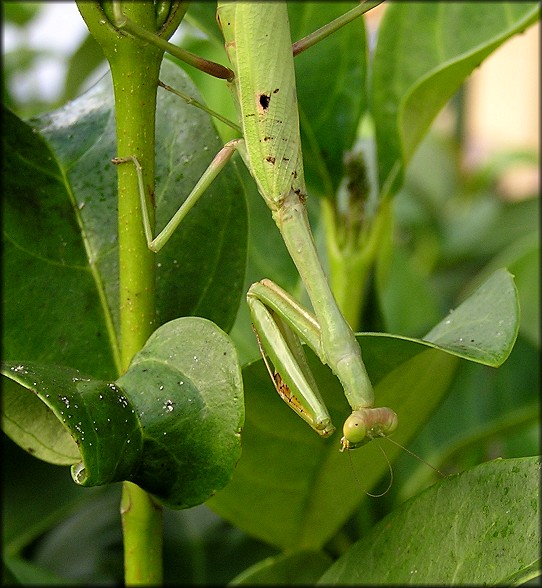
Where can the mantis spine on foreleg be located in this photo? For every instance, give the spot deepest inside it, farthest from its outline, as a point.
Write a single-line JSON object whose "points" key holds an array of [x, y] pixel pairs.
{"points": [[262, 82]]}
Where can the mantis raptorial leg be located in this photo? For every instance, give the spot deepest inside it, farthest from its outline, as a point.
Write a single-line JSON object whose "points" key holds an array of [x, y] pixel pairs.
{"points": [[262, 82]]}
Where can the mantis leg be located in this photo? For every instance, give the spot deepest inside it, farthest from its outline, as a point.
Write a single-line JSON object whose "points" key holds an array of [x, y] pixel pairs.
{"points": [[279, 322], [215, 167], [331, 27]]}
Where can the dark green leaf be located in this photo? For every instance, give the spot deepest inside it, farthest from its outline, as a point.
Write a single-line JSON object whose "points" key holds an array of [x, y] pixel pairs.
{"points": [[190, 403], [478, 527], [60, 243], [170, 424], [414, 75], [298, 568], [330, 106]]}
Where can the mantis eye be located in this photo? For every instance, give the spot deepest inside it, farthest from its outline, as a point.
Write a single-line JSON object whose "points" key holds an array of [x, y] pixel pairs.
{"points": [[355, 429]]}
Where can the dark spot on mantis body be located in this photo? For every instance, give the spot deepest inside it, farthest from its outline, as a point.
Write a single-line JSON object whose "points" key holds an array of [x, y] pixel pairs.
{"points": [[302, 197], [265, 99], [270, 159]]}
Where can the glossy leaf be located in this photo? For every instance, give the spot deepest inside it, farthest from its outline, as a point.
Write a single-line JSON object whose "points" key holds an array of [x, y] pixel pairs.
{"points": [[462, 329], [297, 568], [294, 489], [499, 416], [170, 424], [59, 221], [187, 387], [414, 75], [477, 527], [330, 106]]}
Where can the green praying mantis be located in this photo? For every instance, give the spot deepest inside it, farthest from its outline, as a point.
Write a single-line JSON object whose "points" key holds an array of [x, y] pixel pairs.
{"points": [[262, 83]]}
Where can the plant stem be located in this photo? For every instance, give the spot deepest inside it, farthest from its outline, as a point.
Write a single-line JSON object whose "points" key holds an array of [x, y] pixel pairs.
{"points": [[351, 264], [135, 66], [142, 523], [135, 81]]}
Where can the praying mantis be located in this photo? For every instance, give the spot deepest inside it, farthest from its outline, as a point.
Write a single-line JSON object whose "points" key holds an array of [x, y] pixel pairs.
{"points": [[262, 83]]}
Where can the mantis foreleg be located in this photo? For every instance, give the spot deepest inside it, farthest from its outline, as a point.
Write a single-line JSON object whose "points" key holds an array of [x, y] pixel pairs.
{"points": [[279, 322]]}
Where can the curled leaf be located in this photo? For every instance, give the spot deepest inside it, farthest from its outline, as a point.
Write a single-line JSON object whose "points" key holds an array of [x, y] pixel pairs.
{"points": [[170, 424]]}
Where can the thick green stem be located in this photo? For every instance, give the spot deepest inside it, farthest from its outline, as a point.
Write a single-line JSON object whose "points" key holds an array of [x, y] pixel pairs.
{"points": [[142, 523], [135, 81], [350, 266], [135, 66]]}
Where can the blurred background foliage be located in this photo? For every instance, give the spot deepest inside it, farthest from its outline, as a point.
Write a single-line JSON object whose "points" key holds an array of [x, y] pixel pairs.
{"points": [[470, 204]]}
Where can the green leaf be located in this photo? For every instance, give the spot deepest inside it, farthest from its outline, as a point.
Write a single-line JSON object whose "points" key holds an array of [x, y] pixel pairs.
{"points": [[170, 424], [190, 404], [19, 571], [414, 75], [330, 106], [60, 233], [499, 416], [298, 568], [522, 258], [491, 315], [477, 527], [294, 489]]}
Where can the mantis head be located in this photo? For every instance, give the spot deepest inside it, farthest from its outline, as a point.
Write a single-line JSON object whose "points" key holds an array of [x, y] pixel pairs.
{"points": [[366, 424]]}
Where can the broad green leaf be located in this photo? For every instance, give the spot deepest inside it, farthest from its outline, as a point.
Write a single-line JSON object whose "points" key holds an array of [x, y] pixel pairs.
{"points": [[294, 489], [170, 424], [491, 314], [18, 571], [299, 567], [414, 75], [59, 223], [330, 106], [499, 416], [478, 527], [522, 258], [190, 403]]}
